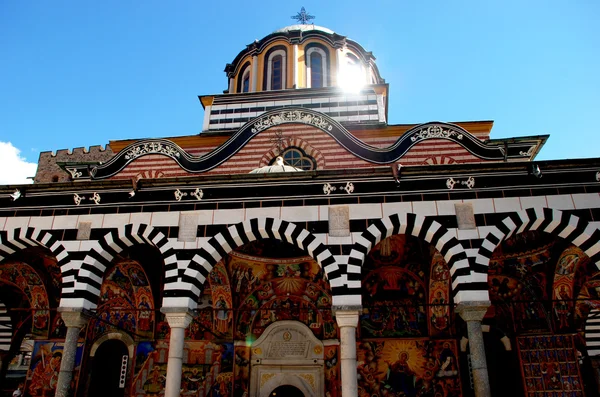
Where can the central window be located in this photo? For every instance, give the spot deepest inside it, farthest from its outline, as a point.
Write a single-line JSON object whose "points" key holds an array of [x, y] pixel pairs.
{"points": [[296, 157]]}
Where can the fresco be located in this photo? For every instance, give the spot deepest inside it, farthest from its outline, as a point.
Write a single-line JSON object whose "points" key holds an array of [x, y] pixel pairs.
{"points": [[518, 282], [45, 366], [332, 372], [126, 303], [549, 366], [267, 290], [564, 284], [206, 369], [241, 373], [394, 290], [29, 282], [220, 292], [439, 296], [408, 368]]}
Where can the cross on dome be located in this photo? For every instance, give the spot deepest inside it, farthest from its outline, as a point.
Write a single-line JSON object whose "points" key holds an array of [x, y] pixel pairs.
{"points": [[303, 17]]}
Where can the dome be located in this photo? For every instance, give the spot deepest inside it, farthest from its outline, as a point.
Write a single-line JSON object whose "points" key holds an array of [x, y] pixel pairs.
{"points": [[279, 166], [303, 28]]}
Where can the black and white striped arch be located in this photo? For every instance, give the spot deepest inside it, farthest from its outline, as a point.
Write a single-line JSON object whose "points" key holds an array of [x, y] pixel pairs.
{"points": [[17, 239], [184, 286], [92, 270], [569, 227], [424, 228]]}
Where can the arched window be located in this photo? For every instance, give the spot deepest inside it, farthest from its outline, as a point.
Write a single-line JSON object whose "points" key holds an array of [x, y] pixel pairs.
{"points": [[246, 81], [243, 79], [316, 67], [316, 70], [276, 70], [296, 157]]}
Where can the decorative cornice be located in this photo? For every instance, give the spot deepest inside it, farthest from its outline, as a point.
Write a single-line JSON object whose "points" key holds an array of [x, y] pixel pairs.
{"points": [[295, 115], [286, 116]]}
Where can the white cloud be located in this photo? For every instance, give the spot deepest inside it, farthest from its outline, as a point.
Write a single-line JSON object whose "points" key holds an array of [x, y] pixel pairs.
{"points": [[14, 169]]}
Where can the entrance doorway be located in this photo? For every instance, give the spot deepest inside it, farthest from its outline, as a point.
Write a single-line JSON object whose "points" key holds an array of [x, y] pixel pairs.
{"points": [[106, 370], [286, 391]]}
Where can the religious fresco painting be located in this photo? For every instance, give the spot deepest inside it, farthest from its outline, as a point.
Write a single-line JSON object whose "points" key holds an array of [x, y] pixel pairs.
{"points": [[519, 277], [126, 303], [28, 281], [395, 297], [563, 290], [269, 290], [206, 369], [549, 366], [439, 296], [45, 365], [241, 371], [408, 368], [332, 372]]}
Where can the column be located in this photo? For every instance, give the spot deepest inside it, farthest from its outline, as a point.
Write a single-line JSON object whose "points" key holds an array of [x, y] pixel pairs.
{"points": [[254, 81], [472, 313], [75, 320], [347, 320], [178, 320], [295, 66], [231, 85]]}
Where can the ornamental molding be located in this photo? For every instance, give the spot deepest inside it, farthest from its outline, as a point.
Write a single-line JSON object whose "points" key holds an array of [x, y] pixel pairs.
{"points": [[77, 199], [75, 173], [529, 152], [436, 131], [291, 116], [328, 188], [598, 176], [151, 148], [393, 153], [468, 183]]}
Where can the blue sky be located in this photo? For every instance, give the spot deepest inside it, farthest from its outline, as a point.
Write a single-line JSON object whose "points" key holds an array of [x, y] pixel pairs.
{"points": [[80, 73]]}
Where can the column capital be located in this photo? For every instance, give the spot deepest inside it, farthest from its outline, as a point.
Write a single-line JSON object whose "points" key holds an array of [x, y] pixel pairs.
{"points": [[472, 311], [75, 317], [346, 316], [177, 317]]}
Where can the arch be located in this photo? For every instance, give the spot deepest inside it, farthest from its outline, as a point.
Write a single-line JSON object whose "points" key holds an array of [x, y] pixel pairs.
{"points": [[297, 142], [569, 227], [18, 239], [93, 268], [187, 284], [425, 228], [286, 380], [117, 335], [592, 332]]}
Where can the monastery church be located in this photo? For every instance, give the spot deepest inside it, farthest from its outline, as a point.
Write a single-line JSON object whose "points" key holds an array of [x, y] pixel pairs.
{"points": [[300, 245]]}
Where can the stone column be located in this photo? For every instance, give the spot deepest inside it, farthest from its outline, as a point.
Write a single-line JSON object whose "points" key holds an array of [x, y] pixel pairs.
{"points": [[178, 320], [254, 84], [347, 320], [75, 320], [295, 67], [472, 313]]}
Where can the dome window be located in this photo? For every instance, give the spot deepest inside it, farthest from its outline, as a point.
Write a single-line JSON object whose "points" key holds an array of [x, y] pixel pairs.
{"points": [[276, 70], [246, 81], [316, 67]]}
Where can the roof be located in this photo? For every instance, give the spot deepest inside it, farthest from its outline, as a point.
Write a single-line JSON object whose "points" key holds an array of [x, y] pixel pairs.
{"points": [[304, 28]]}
